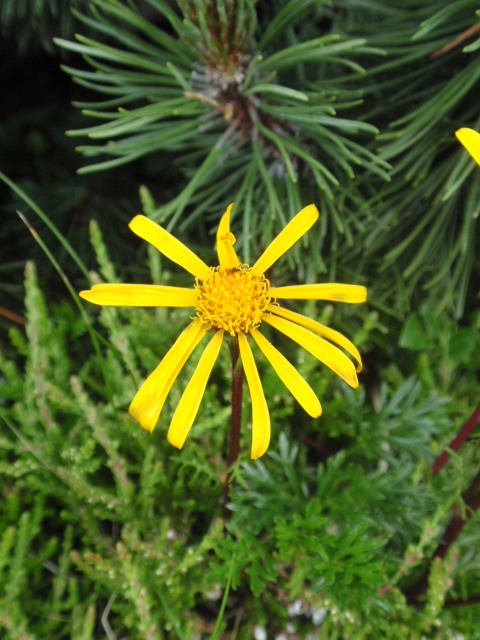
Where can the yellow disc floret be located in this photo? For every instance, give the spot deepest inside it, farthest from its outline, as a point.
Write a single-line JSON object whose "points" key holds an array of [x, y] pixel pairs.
{"points": [[232, 299]]}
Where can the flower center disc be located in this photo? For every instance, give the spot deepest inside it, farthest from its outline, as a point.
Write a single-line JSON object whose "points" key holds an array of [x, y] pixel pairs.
{"points": [[232, 299]]}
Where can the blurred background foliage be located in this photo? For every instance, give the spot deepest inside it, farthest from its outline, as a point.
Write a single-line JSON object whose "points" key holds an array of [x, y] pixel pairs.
{"points": [[31, 24], [351, 104]]}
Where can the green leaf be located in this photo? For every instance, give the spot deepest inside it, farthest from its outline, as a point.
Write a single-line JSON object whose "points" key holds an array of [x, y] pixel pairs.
{"points": [[462, 344], [413, 335]]}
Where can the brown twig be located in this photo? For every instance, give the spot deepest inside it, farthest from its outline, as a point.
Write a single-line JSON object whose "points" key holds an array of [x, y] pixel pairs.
{"points": [[456, 443], [462, 603], [456, 41], [10, 315], [318, 448], [471, 498], [456, 525]]}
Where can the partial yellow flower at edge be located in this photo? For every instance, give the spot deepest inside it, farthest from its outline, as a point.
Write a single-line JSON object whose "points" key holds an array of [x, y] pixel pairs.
{"points": [[471, 141], [233, 299]]}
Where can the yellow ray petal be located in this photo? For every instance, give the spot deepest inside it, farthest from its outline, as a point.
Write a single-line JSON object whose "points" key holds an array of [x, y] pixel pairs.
{"points": [[225, 241], [295, 229], [321, 329], [140, 295], [471, 141], [260, 415], [190, 401], [333, 291], [148, 402], [327, 353], [169, 246], [298, 386]]}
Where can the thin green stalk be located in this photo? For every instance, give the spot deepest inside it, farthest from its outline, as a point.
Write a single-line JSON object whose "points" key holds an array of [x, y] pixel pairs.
{"points": [[218, 623], [43, 216], [173, 619], [66, 281]]}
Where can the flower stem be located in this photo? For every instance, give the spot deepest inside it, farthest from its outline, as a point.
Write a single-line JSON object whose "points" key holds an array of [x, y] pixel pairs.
{"points": [[457, 441], [237, 384], [471, 499]]}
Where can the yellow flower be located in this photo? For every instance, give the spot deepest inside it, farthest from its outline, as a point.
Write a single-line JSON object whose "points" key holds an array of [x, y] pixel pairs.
{"points": [[233, 299], [471, 141]]}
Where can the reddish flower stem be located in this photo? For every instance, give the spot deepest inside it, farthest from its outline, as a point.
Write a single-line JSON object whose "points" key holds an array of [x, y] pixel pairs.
{"points": [[456, 443], [458, 522], [471, 498], [463, 603], [237, 385]]}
